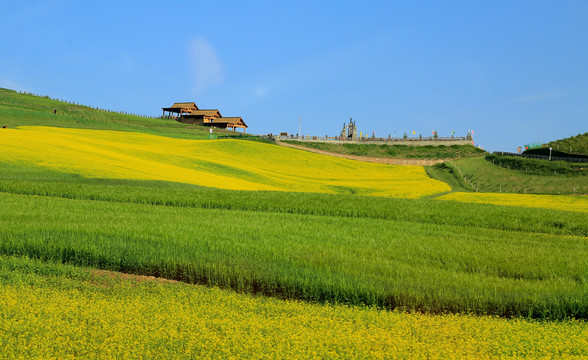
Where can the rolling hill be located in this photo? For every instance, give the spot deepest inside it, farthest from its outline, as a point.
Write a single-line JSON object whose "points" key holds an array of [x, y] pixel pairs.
{"points": [[303, 255], [574, 145]]}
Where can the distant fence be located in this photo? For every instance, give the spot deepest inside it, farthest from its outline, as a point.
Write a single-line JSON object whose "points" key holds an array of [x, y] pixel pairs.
{"points": [[370, 139], [70, 106], [542, 157]]}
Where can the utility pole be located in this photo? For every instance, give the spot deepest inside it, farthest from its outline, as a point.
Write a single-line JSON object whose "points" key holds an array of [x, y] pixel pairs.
{"points": [[299, 126]]}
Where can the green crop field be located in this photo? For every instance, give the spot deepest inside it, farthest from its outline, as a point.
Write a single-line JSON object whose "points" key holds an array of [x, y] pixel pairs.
{"points": [[392, 253], [348, 275]]}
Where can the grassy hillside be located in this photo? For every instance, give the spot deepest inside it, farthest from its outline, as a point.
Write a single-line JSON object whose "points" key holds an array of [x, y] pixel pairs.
{"points": [[575, 145], [538, 166], [508, 174], [86, 313], [394, 151], [450, 175], [18, 109]]}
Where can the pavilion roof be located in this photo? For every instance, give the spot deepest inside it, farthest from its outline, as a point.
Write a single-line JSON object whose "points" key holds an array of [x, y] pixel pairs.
{"points": [[182, 105], [206, 112], [231, 121]]}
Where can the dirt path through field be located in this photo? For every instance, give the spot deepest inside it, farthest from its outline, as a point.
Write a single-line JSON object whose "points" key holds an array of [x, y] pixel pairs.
{"points": [[125, 276], [381, 160]]}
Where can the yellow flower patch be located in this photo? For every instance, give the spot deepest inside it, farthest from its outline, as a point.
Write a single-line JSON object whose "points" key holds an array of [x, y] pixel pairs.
{"points": [[557, 202], [225, 164], [55, 317]]}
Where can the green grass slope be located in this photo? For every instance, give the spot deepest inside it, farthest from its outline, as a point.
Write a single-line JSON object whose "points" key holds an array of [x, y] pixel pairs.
{"points": [[449, 174], [17, 109], [495, 173], [574, 145]]}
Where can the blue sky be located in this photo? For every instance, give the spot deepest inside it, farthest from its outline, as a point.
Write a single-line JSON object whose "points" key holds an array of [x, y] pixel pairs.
{"points": [[513, 71]]}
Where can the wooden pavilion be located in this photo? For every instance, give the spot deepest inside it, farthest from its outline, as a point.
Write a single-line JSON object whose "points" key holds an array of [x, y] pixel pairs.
{"points": [[229, 123], [200, 117], [189, 113]]}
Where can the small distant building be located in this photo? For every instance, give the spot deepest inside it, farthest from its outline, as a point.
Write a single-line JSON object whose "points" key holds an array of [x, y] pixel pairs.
{"points": [[189, 113]]}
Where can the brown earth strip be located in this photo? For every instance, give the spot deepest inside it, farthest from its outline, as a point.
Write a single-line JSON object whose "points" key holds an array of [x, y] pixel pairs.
{"points": [[389, 161], [124, 276]]}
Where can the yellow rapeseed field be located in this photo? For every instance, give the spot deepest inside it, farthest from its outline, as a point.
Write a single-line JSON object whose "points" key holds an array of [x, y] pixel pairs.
{"points": [[558, 202], [225, 164], [109, 318]]}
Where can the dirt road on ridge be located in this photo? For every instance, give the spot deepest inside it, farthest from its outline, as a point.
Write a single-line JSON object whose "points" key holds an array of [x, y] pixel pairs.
{"points": [[381, 160]]}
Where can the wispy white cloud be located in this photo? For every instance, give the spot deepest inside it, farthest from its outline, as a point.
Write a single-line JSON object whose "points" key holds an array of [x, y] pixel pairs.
{"points": [[260, 91], [207, 70], [537, 97]]}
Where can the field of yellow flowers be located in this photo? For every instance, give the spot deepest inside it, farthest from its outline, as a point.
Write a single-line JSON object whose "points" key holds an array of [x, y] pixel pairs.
{"points": [[236, 165], [577, 203], [58, 311], [224, 164]]}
